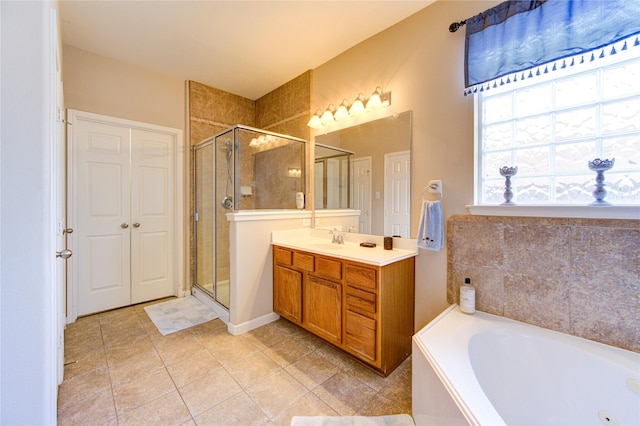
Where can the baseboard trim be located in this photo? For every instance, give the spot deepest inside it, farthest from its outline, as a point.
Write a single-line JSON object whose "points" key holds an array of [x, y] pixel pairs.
{"points": [[252, 324]]}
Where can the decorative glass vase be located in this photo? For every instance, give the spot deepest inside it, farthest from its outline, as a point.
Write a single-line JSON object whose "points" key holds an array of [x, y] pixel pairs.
{"points": [[508, 172], [600, 166]]}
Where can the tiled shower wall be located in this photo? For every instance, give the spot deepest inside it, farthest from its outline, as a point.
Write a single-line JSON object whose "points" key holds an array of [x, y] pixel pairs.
{"points": [[284, 110], [576, 276]]}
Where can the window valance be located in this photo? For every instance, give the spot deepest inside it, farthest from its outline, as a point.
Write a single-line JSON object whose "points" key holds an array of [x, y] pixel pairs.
{"points": [[518, 36]]}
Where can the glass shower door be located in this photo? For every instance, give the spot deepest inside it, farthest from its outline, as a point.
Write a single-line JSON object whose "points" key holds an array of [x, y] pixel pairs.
{"points": [[224, 187], [204, 217]]}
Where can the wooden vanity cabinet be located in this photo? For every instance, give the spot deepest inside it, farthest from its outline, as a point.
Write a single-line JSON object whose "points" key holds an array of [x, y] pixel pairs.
{"points": [[363, 309]]}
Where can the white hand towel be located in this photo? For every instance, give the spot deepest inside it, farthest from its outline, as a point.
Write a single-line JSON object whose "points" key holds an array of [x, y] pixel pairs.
{"points": [[431, 226]]}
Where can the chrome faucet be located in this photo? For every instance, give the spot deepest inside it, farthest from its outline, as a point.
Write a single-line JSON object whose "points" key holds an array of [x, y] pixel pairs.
{"points": [[336, 238]]}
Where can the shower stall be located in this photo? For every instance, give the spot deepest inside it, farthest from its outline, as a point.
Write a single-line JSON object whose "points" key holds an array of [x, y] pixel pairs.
{"points": [[241, 168]]}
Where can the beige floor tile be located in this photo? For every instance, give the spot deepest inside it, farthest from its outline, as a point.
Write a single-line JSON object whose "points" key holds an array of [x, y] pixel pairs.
{"points": [[367, 376], [267, 336], [83, 346], [176, 347], [307, 405], [275, 393], [344, 393], [381, 406], [309, 340], [204, 393], [144, 369], [82, 329], [84, 364], [237, 410], [169, 409], [312, 370], [135, 367], [250, 370], [337, 357], [124, 335], [232, 350], [194, 366], [287, 352], [84, 386], [124, 351], [138, 392], [97, 410], [115, 315]]}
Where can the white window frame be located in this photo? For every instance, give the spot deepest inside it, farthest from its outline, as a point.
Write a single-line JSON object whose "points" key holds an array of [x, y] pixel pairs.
{"points": [[537, 210]]}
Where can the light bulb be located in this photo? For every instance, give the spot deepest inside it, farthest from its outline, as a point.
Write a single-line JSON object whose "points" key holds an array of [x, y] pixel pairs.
{"points": [[358, 105], [314, 121], [342, 111], [327, 116], [375, 101]]}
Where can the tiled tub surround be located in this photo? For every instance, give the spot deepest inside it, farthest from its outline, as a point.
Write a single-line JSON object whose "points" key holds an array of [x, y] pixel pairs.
{"points": [[576, 276]]}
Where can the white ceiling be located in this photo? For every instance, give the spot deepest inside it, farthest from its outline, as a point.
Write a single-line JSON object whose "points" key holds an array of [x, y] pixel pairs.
{"points": [[244, 47]]}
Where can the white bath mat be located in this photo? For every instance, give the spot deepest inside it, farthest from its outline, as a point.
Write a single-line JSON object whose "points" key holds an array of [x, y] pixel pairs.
{"points": [[392, 420], [178, 314]]}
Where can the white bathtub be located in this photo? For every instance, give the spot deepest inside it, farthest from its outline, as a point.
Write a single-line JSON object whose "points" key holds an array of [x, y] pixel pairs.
{"points": [[482, 369]]}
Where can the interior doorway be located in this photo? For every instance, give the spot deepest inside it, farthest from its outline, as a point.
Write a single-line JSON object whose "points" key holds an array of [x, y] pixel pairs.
{"points": [[125, 206]]}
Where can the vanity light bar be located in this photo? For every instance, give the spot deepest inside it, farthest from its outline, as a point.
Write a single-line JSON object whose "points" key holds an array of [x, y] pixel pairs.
{"points": [[378, 99]]}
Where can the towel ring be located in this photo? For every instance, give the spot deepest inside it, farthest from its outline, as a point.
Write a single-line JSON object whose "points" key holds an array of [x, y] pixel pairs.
{"points": [[434, 189]]}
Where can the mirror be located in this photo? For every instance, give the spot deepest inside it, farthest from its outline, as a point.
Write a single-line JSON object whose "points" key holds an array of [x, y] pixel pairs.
{"points": [[332, 174], [383, 198]]}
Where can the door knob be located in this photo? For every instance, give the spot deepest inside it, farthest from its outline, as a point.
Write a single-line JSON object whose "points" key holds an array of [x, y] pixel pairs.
{"points": [[136, 225], [124, 225], [67, 231], [65, 254]]}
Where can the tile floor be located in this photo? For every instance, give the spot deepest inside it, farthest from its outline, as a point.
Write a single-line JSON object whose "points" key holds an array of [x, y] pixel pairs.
{"points": [[128, 373]]}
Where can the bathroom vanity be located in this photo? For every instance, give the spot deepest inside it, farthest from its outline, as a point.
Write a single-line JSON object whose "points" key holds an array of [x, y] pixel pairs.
{"points": [[360, 300]]}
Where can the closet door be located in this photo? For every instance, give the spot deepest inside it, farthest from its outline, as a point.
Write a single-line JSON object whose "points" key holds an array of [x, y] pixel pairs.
{"points": [[152, 204], [101, 207]]}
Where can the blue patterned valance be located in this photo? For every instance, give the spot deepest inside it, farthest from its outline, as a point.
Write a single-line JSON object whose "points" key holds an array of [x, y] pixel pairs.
{"points": [[517, 36]]}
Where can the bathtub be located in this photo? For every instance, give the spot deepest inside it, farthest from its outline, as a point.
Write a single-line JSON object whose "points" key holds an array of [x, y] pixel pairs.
{"points": [[482, 369]]}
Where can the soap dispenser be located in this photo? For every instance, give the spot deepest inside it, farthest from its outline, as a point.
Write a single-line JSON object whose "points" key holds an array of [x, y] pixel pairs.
{"points": [[467, 297]]}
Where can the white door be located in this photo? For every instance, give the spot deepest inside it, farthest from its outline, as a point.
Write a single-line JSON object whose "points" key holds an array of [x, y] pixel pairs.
{"points": [[151, 215], [397, 207], [123, 183], [102, 212], [362, 192]]}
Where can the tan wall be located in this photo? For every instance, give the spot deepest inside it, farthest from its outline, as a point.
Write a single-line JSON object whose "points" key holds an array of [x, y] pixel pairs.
{"points": [[285, 110], [93, 83], [576, 276], [421, 63]]}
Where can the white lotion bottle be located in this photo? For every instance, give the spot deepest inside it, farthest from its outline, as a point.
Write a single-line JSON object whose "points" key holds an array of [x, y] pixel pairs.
{"points": [[467, 297]]}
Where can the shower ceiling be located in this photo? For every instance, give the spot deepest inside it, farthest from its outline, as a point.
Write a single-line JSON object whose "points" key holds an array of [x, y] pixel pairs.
{"points": [[244, 47]]}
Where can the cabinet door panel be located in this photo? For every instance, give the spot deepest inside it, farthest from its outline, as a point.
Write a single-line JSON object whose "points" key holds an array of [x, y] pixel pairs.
{"points": [[287, 293], [323, 308]]}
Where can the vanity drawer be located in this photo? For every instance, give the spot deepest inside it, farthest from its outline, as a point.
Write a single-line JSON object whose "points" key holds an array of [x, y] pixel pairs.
{"points": [[304, 261], [361, 335], [283, 256], [329, 268], [361, 301], [361, 276]]}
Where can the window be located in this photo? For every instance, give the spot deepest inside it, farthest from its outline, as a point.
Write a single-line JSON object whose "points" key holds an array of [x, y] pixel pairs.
{"points": [[550, 126]]}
